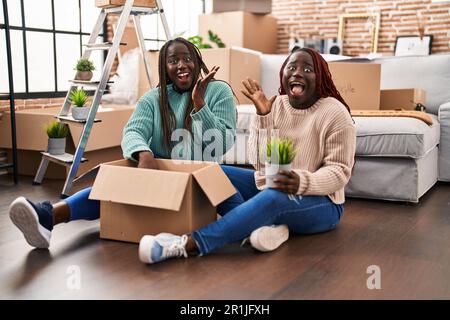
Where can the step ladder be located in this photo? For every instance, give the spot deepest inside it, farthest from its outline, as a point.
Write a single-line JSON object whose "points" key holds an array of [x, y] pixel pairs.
{"points": [[65, 116]]}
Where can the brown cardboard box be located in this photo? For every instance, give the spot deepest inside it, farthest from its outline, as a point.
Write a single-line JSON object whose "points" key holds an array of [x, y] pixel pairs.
{"points": [[241, 29], [358, 83], [402, 98], [253, 6], [103, 143], [117, 3], [235, 63], [178, 198]]}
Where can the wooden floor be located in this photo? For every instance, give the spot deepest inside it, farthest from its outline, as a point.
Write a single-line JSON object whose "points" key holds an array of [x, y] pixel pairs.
{"points": [[409, 243]]}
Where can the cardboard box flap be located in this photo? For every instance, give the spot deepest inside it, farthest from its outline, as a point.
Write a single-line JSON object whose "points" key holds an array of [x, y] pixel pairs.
{"points": [[149, 188], [214, 184]]}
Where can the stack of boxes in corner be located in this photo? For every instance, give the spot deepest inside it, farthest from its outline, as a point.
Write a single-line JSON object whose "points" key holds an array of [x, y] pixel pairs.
{"points": [[239, 24]]}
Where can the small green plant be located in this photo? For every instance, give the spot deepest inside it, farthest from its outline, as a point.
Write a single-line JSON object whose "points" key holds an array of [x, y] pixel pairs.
{"points": [[214, 38], [79, 97], [84, 65], [284, 148], [57, 129]]}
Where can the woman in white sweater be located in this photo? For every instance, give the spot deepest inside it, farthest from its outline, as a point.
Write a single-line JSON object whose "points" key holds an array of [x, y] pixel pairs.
{"points": [[309, 198]]}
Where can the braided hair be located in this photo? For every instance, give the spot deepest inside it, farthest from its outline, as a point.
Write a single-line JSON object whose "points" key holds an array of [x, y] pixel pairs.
{"points": [[324, 82], [167, 114]]}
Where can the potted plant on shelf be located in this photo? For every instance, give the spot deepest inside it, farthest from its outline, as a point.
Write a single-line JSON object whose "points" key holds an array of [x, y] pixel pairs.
{"points": [[84, 69], [57, 133], [80, 110], [280, 154]]}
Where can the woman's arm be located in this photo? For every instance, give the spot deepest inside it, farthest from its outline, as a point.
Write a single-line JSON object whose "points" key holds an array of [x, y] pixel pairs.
{"points": [[137, 133], [215, 123]]}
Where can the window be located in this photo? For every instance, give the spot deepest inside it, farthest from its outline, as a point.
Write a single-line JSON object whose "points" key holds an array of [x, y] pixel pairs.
{"points": [[182, 18], [45, 46]]}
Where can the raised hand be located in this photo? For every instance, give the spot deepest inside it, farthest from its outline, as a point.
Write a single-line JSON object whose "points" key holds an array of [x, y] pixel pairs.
{"points": [[253, 92], [198, 93]]}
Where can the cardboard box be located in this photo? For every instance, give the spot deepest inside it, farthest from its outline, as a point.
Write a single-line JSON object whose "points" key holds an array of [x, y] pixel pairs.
{"points": [[405, 99], [253, 6], [103, 143], [117, 3], [178, 198], [236, 64], [241, 29], [358, 83]]}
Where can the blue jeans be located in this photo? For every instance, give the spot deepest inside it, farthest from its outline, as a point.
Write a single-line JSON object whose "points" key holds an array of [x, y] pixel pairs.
{"points": [[250, 209]]}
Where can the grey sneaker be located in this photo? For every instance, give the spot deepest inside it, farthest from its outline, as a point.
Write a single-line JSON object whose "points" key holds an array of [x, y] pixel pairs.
{"points": [[268, 238], [163, 246]]}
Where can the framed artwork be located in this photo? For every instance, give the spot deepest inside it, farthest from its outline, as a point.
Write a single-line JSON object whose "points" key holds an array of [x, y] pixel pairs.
{"points": [[413, 45], [373, 18]]}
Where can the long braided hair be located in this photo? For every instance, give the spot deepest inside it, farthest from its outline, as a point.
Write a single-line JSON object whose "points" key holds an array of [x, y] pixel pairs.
{"points": [[324, 83], [167, 114]]}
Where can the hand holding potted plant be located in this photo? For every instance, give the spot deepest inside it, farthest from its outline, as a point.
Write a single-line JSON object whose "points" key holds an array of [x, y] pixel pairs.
{"points": [[84, 69], [57, 133], [80, 110], [280, 154]]}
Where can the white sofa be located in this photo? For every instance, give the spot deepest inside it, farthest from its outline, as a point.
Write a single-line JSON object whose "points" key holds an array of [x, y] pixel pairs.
{"points": [[397, 158]]}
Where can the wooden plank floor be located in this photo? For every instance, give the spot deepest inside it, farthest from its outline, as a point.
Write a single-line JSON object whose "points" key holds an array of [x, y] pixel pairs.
{"points": [[410, 244]]}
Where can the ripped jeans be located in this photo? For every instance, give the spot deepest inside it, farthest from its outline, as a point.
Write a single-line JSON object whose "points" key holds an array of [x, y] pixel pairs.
{"points": [[250, 209]]}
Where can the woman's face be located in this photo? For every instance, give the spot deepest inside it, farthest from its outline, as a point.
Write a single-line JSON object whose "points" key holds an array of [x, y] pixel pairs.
{"points": [[299, 80], [180, 66]]}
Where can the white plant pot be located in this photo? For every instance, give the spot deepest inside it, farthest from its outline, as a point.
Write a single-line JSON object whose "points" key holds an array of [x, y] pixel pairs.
{"points": [[80, 113], [271, 172], [56, 146]]}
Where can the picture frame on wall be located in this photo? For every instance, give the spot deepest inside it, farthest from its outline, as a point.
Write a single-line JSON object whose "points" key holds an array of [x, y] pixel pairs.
{"points": [[413, 45]]}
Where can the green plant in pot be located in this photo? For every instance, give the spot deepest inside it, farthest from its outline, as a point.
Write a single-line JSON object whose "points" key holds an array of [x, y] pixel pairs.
{"points": [[84, 69], [214, 38], [280, 154], [57, 133], [79, 98]]}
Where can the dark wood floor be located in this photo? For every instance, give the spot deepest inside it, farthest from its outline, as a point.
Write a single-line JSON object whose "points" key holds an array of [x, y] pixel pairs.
{"points": [[410, 243]]}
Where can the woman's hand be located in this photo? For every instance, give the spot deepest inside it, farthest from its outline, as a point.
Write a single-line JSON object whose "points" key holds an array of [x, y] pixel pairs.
{"points": [[253, 92], [198, 93], [289, 183], [147, 160]]}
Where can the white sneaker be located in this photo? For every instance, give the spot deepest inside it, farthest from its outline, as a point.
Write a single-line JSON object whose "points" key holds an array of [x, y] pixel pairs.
{"points": [[269, 238], [163, 246], [25, 215]]}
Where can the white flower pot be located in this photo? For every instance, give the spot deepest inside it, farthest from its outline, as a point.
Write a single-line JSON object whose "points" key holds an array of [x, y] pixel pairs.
{"points": [[80, 113], [56, 146], [271, 172]]}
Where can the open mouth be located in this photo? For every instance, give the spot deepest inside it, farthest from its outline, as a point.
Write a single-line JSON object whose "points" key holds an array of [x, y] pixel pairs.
{"points": [[183, 77], [296, 88]]}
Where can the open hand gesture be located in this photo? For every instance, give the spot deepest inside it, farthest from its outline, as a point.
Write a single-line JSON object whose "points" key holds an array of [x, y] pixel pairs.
{"points": [[198, 93], [253, 92]]}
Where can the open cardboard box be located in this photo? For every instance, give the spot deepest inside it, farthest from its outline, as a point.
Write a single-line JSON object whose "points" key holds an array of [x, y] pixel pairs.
{"points": [[405, 99], [236, 64], [178, 198], [358, 83], [103, 143]]}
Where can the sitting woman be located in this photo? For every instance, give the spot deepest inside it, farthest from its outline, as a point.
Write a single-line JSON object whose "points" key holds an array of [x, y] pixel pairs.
{"points": [[309, 199], [184, 100]]}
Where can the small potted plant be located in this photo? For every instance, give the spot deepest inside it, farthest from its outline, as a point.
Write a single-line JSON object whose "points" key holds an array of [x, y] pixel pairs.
{"points": [[280, 154], [80, 110], [84, 69], [57, 133]]}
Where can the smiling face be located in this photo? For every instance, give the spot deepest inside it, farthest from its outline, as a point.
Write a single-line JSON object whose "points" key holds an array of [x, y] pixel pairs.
{"points": [[180, 66], [299, 80]]}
